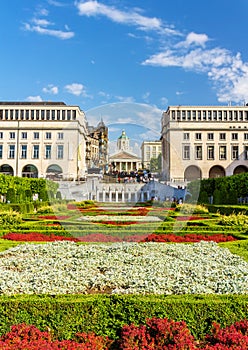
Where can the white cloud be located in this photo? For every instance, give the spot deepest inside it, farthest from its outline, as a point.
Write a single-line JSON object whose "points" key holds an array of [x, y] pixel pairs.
{"points": [[41, 22], [51, 89], [125, 99], [146, 96], [55, 3], [227, 72], [194, 39], [34, 99], [51, 32], [75, 89], [164, 101], [128, 17]]}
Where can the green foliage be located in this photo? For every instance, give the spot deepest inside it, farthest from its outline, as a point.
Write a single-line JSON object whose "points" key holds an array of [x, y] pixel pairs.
{"points": [[217, 197], [156, 163], [106, 314], [45, 210], [10, 219], [21, 189], [239, 248], [203, 198], [225, 190], [11, 195], [239, 220], [187, 208]]}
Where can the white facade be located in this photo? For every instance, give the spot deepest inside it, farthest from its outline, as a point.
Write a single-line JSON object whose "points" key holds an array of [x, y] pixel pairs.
{"points": [[204, 142], [149, 150], [42, 139]]}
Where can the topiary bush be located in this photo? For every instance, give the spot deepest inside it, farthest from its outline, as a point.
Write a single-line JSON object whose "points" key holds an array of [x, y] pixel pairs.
{"points": [[10, 219]]}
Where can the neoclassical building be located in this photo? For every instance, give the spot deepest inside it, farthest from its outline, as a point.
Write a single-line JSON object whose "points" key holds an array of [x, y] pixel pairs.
{"points": [[42, 139], [124, 159], [203, 142]]}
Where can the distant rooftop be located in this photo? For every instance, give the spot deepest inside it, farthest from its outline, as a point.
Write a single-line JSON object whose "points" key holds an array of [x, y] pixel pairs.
{"points": [[40, 103]]}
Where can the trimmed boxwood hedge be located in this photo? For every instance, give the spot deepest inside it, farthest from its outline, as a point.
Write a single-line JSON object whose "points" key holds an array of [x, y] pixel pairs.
{"points": [[106, 314]]}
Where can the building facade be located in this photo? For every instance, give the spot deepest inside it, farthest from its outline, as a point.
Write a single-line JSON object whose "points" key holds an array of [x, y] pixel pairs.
{"points": [[203, 142], [97, 147], [42, 139], [149, 150], [124, 160]]}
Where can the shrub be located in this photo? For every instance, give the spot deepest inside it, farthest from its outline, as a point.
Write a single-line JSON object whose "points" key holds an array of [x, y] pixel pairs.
{"points": [[234, 337], [191, 208], [239, 220], [157, 334], [11, 195], [45, 210], [9, 219]]}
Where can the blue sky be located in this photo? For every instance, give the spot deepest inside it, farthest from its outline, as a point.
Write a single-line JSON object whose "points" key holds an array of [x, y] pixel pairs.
{"points": [[125, 61]]}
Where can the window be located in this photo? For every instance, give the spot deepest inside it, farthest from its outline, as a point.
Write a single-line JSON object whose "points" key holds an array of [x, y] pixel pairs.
{"points": [[210, 136], [24, 151], [1, 151], [210, 152], [198, 136], [36, 135], [12, 135], [198, 152], [222, 136], [60, 152], [48, 151], [234, 136], [24, 135], [235, 152], [48, 135], [11, 153], [36, 151], [222, 152], [245, 152], [60, 135], [186, 136], [27, 114], [186, 152], [245, 136], [16, 114], [53, 114], [1, 135]]}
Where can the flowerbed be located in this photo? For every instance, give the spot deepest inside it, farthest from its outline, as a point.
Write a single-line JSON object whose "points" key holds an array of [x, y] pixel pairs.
{"points": [[36, 237], [122, 268], [117, 218], [189, 218], [53, 217], [100, 237], [156, 334], [190, 237]]}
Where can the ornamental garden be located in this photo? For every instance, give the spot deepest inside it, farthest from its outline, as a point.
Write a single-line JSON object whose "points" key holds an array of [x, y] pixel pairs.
{"points": [[155, 275]]}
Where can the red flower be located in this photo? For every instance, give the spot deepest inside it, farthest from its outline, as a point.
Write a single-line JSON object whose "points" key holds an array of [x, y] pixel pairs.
{"points": [[36, 237]]}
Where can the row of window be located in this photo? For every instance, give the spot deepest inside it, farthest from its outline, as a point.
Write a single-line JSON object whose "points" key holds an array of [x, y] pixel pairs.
{"points": [[39, 114], [36, 135], [35, 152], [198, 152], [210, 136], [210, 115]]}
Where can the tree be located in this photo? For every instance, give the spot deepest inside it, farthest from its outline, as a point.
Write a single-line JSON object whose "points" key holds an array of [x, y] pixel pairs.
{"points": [[156, 163]]}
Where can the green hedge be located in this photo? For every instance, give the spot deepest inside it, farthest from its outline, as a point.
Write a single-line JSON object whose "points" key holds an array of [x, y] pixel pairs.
{"points": [[227, 209], [106, 314]]}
